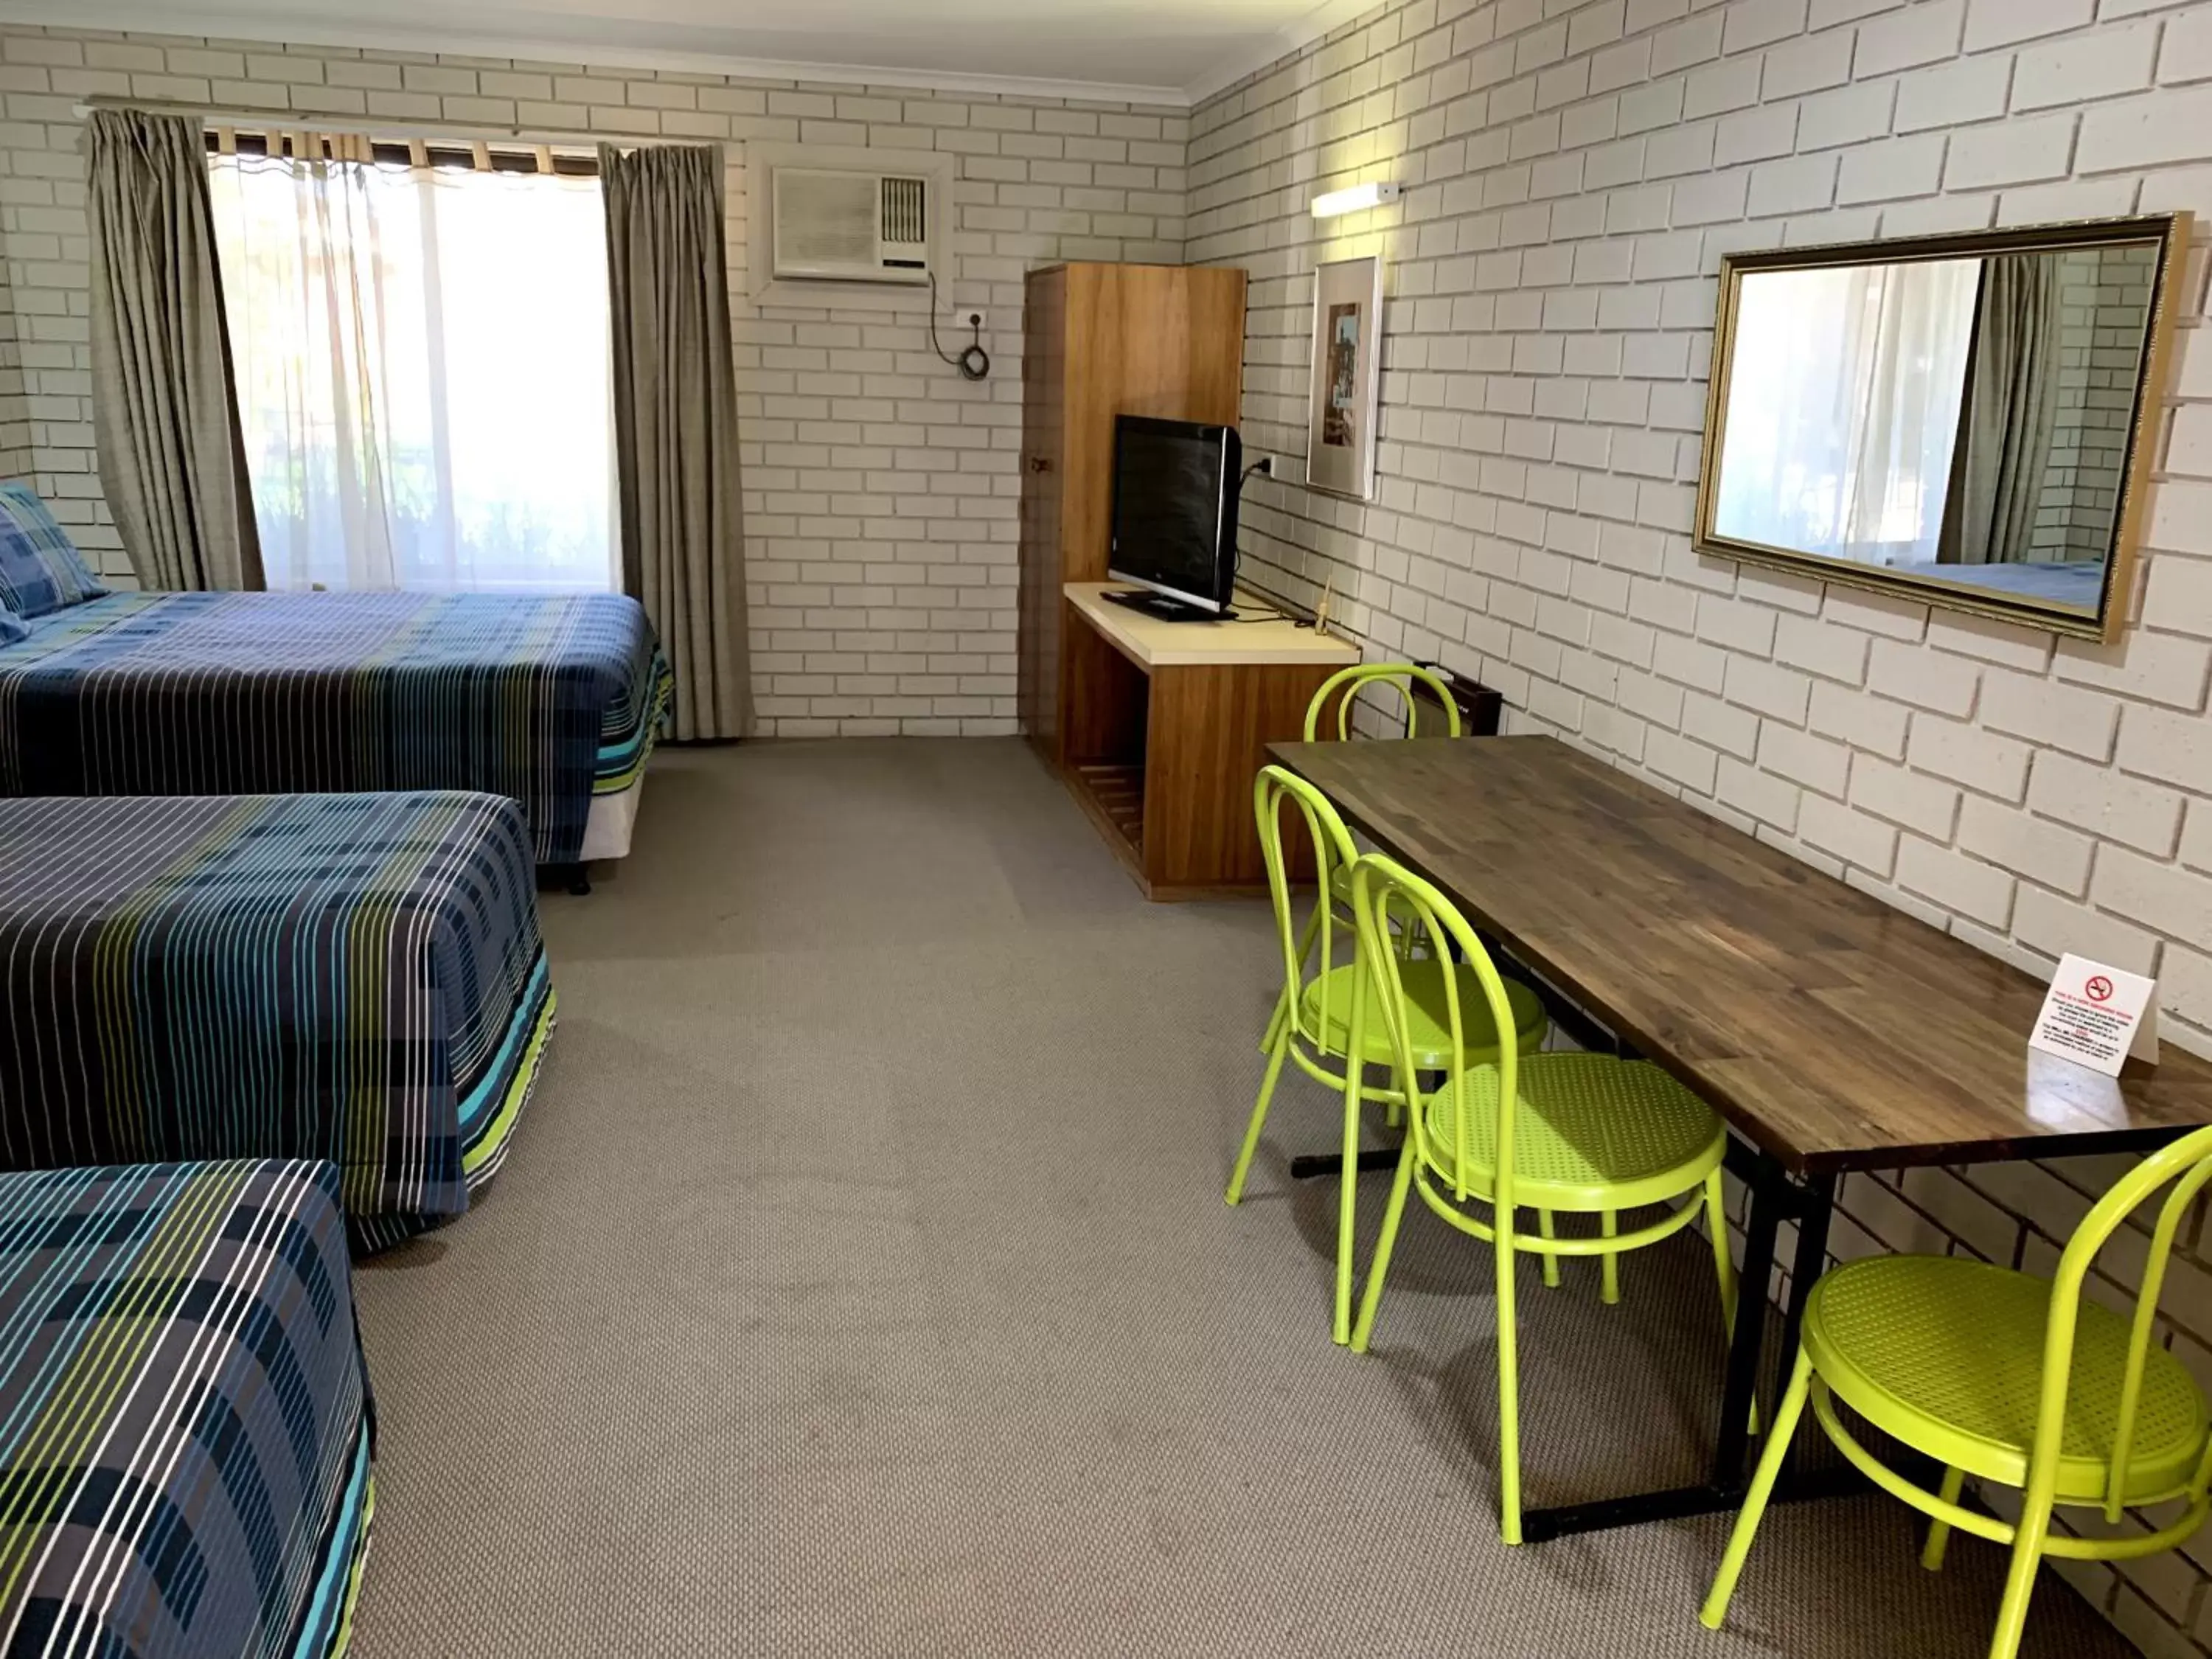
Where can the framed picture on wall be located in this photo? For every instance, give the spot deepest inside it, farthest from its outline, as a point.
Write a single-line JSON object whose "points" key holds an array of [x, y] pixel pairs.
{"points": [[1347, 342]]}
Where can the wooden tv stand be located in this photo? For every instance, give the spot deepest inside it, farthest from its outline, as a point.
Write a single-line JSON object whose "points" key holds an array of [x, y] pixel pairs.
{"points": [[1162, 726]]}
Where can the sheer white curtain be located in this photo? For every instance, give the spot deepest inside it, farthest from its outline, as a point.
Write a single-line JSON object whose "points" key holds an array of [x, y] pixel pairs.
{"points": [[1844, 404], [423, 374]]}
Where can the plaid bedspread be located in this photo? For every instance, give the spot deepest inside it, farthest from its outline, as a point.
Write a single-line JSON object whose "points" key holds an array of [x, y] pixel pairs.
{"points": [[545, 700], [352, 978], [185, 1422]]}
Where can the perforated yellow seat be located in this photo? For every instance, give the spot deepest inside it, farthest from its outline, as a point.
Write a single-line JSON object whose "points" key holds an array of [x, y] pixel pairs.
{"points": [[1429, 1016], [1946, 1356], [2017, 1381], [1593, 1133], [1546, 1132]]}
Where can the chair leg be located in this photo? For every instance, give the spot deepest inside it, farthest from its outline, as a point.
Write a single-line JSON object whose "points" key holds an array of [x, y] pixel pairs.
{"points": [[1282, 1013], [1939, 1532], [1610, 1222], [1508, 1387], [1714, 1613], [1380, 1265], [1259, 1116], [1723, 1264], [1347, 1199], [2020, 1582], [1403, 942], [1546, 1226]]}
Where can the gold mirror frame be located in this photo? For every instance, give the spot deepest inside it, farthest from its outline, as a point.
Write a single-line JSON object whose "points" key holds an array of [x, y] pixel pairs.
{"points": [[2171, 232]]}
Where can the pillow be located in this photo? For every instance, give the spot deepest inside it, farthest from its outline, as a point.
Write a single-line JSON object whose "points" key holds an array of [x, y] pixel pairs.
{"points": [[40, 569], [12, 627]]}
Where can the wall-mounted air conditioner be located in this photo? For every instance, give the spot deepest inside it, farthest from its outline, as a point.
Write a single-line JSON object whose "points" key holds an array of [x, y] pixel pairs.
{"points": [[850, 226]]}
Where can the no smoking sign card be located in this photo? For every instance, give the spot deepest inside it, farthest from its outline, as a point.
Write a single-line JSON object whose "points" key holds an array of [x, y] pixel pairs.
{"points": [[2099, 1016]]}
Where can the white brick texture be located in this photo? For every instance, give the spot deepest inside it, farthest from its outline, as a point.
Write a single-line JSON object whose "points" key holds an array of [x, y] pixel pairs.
{"points": [[1575, 168], [882, 490], [1542, 397]]}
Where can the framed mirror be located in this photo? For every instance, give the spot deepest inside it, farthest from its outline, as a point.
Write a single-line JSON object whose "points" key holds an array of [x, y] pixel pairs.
{"points": [[1967, 419]]}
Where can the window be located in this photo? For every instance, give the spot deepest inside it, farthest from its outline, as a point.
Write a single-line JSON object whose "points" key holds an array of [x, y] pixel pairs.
{"points": [[422, 356], [1842, 443]]}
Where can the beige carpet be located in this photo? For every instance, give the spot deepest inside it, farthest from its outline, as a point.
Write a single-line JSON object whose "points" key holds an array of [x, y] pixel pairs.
{"points": [[860, 1285]]}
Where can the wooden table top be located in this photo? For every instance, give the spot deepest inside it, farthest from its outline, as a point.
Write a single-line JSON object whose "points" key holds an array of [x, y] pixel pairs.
{"points": [[1835, 1031]]}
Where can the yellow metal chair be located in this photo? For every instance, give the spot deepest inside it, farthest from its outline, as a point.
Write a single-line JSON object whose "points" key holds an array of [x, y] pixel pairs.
{"points": [[1316, 1020], [1583, 1133], [2014, 1380], [1343, 689], [1344, 686]]}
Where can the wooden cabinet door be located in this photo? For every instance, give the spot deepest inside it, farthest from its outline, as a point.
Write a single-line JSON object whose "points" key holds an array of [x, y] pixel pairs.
{"points": [[1044, 377]]}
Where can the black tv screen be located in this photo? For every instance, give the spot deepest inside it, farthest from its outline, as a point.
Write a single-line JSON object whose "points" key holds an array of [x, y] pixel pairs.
{"points": [[1175, 507]]}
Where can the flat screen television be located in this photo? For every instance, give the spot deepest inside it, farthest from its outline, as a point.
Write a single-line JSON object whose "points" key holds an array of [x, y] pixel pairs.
{"points": [[1174, 512]]}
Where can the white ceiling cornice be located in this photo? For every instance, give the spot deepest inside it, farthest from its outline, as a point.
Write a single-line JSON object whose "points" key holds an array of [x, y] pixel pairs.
{"points": [[367, 33], [1329, 15], [215, 19]]}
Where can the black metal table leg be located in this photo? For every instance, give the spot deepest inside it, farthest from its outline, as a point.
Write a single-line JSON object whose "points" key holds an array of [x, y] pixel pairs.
{"points": [[1377, 1160], [1774, 1197], [1770, 1194], [1816, 1203], [1312, 1166]]}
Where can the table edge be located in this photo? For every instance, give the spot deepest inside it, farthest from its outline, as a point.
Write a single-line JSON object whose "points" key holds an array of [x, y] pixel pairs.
{"points": [[1751, 1127]]}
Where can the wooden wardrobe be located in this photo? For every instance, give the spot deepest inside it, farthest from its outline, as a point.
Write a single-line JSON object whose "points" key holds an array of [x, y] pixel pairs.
{"points": [[1101, 340]]}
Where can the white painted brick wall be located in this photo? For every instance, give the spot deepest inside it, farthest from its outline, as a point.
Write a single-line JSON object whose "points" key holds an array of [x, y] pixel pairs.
{"points": [[881, 489], [1543, 393], [1576, 168]]}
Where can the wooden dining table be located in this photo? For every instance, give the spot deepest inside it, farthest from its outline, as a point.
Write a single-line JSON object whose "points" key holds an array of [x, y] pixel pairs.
{"points": [[1833, 1031]]}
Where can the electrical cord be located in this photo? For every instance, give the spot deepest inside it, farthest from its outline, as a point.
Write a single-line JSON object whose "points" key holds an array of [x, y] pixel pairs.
{"points": [[974, 363], [1282, 612]]}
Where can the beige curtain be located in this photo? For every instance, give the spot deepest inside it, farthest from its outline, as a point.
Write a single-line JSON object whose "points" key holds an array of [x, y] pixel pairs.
{"points": [[2012, 410], [676, 424], [165, 406]]}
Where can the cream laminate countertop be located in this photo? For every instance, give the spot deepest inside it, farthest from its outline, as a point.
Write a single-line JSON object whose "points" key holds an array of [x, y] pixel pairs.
{"points": [[1150, 643]]}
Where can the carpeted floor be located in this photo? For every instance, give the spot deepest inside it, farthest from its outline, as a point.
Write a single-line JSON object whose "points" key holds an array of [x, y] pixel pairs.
{"points": [[860, 1285]]}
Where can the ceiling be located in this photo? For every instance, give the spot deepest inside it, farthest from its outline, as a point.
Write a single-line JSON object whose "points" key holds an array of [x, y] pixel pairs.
{"points": [[1151, 51]]}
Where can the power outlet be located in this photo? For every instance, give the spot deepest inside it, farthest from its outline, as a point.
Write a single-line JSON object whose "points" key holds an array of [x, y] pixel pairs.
{"points": [[971, 318]]}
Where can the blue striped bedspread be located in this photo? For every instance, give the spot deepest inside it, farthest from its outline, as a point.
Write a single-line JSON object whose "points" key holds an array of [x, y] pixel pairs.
{"points": [[352, 978], [549, 700], [185, 1428]]}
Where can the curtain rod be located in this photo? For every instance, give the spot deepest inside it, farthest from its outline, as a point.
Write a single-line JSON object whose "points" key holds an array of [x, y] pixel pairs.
{"points": [[457, 131]]}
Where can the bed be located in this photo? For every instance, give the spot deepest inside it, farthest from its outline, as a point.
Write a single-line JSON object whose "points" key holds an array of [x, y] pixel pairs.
{"points": [[186, 1443], [553, 701], [352, 978], [2077, 582]]}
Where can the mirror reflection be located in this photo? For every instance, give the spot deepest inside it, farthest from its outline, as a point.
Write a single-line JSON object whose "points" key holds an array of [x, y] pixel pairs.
{"points": [[1965, 420]]}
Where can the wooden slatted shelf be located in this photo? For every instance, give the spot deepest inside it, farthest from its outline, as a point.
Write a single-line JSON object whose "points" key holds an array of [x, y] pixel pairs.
{"points": [[1117, 789]]}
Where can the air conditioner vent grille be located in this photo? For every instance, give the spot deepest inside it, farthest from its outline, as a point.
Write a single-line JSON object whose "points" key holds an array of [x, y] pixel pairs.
{"points": [[905, 211]]}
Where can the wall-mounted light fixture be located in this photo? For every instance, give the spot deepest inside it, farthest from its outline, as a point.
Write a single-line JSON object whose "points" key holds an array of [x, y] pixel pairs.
{"points": [[1357, 199]]}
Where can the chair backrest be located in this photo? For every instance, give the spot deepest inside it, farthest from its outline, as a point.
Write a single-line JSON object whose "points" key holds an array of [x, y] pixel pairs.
{"points": [[1333, 851], [1344, 686], [2186, 1166], [1385, 893]]}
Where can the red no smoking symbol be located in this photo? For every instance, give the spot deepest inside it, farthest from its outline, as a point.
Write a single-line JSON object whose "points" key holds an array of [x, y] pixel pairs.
{"points": [[2100, 988]]}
